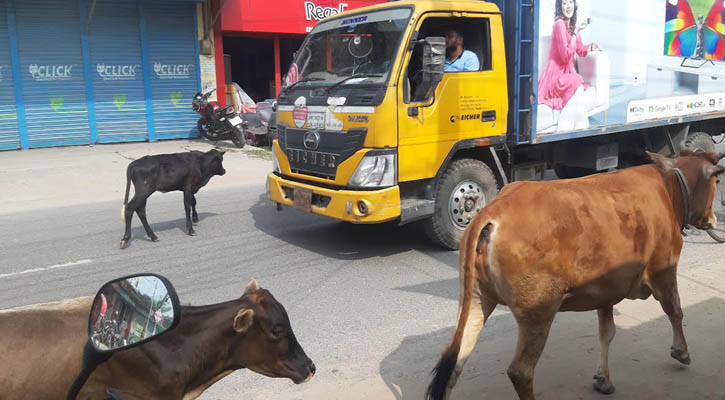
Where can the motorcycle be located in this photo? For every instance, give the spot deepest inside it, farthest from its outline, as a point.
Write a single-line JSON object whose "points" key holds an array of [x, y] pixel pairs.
{"points": [[260, 127], [216, 122]]}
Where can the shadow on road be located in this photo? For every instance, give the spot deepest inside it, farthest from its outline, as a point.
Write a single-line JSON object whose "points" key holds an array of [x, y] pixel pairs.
{"points": [[138, 232], [344, 241], [639, 359]]}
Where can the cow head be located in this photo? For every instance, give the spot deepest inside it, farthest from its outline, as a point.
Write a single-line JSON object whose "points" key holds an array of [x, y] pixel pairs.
{"points": [[269, 346], [212, 163], [701, 172]]}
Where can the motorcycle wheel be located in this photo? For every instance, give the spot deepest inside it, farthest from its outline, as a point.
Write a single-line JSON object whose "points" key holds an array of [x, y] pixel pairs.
{"points": [[205, 131], [238, 137]]}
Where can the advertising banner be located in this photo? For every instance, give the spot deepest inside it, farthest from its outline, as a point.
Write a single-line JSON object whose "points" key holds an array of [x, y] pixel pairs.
{"points": [[620, 61]]}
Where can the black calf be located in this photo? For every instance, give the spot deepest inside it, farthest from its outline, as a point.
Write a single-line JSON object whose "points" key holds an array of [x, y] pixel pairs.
{"points": [[187, 172]]}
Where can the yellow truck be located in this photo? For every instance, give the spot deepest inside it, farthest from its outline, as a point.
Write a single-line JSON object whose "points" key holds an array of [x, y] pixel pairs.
{"points": [[423, 110]]}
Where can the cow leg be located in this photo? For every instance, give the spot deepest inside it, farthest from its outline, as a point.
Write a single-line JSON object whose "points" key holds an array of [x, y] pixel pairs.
{"points": [[194, 215], [607, 329], [664, 288], [130, 208], [534, 326], [141, 211], [187, 208]]}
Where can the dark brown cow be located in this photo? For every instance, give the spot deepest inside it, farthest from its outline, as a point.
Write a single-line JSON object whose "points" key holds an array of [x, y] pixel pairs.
{"points": [[41, 351], [577, 245]]}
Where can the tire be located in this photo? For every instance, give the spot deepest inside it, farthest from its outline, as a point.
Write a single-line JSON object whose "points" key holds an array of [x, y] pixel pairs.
{"points": [[699, 141], [205, 132], [463, 190], [238, 137]]}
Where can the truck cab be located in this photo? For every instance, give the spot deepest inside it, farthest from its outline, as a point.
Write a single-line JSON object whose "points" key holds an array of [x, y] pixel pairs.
{"points": [[369, 123]]}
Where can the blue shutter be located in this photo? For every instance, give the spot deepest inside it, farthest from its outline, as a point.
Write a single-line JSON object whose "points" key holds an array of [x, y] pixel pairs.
{"points": [[9, 133], [173, 59], [51, 63], [114, 41]]}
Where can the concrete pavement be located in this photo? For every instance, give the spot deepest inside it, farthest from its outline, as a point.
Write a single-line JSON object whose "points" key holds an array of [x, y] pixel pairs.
{"points": [[57, 177]]}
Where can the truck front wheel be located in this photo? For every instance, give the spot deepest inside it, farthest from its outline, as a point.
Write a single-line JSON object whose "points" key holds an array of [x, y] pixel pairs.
{"points": [[465, 187]]}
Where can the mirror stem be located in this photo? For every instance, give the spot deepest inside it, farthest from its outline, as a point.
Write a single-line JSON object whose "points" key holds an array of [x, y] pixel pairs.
{"points": [[91, 359]]}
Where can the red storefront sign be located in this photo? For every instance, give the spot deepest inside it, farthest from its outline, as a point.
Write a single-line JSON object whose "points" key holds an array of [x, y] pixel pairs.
{"points": [[282, 16]]}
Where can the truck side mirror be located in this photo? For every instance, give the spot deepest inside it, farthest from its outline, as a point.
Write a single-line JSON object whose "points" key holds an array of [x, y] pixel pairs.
{"points": [[434, 58]]}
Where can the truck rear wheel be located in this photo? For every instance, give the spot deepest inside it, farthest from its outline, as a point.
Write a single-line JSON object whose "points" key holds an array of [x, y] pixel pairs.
{"points": [[463, 190]]}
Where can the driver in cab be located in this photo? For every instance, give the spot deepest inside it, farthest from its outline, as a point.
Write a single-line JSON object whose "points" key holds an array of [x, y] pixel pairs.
{"points": [[458, 59]]}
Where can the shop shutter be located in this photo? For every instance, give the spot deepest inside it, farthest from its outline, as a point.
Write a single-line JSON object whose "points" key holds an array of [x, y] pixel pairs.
{"points": [[9, 133], [173, 58], [114, 41], [51, 63]]}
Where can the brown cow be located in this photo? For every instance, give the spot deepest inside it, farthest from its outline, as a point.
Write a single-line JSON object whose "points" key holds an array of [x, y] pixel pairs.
{"points": [[41, 351], [577, 245]]}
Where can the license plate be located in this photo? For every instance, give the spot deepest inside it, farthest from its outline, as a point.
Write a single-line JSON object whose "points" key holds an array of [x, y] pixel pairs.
{"points": [[316, 120], [235, 121], [302, 199]]}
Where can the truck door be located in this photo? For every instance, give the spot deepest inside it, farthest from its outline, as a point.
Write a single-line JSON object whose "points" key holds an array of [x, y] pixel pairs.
{"points": [[464, 105]]}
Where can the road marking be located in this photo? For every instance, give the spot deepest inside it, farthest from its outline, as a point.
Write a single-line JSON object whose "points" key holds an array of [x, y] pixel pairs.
{"points": [[30, 271]]}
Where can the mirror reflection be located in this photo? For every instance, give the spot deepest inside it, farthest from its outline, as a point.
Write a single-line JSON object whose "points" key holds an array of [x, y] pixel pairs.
{"points": [[128, 311]]}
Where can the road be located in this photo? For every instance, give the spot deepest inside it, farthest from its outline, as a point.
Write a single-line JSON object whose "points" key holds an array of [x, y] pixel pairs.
{"points": [[372, 305]]}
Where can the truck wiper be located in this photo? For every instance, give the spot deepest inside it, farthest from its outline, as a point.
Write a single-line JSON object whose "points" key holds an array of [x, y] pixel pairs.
{"points": [[340, 82], [301, 81]]}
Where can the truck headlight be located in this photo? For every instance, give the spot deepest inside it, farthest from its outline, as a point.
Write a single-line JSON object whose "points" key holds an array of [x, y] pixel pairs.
{"points": [[376, 169], [275, 163]]}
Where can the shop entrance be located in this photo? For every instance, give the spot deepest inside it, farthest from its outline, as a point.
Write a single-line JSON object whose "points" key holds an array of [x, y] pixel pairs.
{"points": [[249, 62]]}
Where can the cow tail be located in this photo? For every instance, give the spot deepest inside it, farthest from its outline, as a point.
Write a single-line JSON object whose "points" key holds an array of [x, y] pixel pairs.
{"points": [[470, 314], [125, 199]]}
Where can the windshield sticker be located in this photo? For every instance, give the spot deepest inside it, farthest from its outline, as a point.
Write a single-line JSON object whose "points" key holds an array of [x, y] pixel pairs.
{"points": [[331, 122], [336, 101], [299, 113], [356, 20], [293, 75]]}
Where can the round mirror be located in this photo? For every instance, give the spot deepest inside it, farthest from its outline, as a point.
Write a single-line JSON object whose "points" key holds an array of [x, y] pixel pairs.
{"points": [[132, 310]]}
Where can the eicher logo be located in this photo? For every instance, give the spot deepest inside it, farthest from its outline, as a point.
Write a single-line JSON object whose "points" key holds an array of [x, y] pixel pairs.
{"points": [[313, 11], [50, 72], [116, 72], [173, 71]]}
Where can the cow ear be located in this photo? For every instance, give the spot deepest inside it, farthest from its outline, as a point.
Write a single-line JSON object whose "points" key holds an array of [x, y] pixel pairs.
{"points": [[243, 321], [661, 161], [252, 286]]}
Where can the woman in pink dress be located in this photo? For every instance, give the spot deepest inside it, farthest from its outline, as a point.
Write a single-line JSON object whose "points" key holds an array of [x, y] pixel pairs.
{"points": [[560, 82]]}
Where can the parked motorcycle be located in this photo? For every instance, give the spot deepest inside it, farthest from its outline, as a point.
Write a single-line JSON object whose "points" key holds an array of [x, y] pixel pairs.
{"points": [[216, 122], [260, 127]]}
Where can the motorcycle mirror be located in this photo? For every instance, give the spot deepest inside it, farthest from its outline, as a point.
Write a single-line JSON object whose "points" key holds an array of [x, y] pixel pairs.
{"points": [[136, 309], [125, 313]]}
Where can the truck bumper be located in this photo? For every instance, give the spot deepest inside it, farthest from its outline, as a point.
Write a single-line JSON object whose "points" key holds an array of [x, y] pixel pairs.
{"points": [[360, 207]]}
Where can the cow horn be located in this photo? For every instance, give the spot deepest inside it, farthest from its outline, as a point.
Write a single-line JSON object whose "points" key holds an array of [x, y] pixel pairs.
{"points": [[720, 155]]}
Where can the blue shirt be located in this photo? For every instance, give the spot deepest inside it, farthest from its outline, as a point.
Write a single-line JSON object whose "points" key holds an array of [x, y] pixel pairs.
{"points": [[467, 61]]}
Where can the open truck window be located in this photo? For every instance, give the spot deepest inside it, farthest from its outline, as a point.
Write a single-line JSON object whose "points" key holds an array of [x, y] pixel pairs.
{"points": [[476, 38]]}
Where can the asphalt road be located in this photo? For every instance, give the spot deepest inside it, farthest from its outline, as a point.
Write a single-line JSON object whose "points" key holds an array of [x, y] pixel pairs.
{"points": [[373, 306]]}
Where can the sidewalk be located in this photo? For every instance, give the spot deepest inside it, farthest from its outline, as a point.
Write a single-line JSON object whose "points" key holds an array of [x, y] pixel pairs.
{"points": [[64, 176]]}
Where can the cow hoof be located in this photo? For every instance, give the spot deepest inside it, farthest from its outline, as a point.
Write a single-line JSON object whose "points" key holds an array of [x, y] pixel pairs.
{"points": [[154, 238], [124, 243], [195, 220], [192, 233], [603, 387], [681, 356]]}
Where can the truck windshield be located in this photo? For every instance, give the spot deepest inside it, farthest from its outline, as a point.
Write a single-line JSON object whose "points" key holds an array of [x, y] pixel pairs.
{"points": [[361, 47]]}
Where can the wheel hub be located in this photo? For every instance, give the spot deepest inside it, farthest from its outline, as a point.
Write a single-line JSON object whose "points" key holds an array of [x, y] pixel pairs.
{"points": [[466, 201]]}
